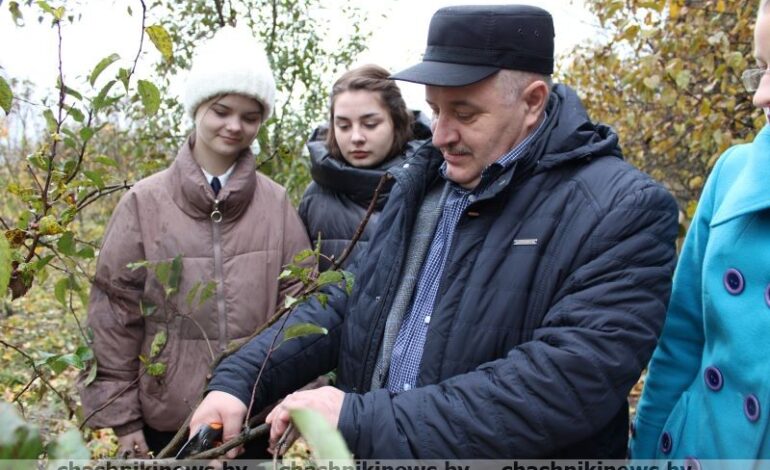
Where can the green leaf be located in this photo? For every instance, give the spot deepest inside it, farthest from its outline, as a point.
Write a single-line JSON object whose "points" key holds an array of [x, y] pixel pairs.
{"points": [[160, 37], [329, 277], [158, 342], [191, 294], [303, 255], [95, 177], [6, 96], [206, 293], [147, 308], [86, 133], [156, 369], [350, 280], [124, 75], [175, 275], [71, 360], [101, 99], [45, 6], [302, 329], [106, 161], [76, 114], [50, 120], [323, 299], [103, 64], [73, 93], [38, 161], [91, 374], [60, 290], [138, 264], [150, 97], [38, 265], [67, 447], [86, 253], [5, 264], [84, 353], [66, 244], [18, 440], [325, 441]]}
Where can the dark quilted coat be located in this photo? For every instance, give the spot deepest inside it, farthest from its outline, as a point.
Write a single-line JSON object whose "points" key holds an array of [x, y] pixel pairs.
{"points": [[533, 345], [335, 203]]}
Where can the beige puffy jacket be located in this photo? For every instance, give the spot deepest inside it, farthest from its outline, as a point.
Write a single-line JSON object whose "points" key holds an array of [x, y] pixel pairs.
{"points": [[162, 216]]}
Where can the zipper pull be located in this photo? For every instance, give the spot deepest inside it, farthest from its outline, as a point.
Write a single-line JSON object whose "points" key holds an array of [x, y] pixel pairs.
{"points": [[216, 216]]}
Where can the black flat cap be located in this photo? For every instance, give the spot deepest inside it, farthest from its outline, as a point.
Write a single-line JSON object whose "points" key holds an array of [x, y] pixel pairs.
{"points": [[469, 43]]}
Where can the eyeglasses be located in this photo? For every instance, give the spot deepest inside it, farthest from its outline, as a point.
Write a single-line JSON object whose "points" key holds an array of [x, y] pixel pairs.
{"points": [[752, 78]]}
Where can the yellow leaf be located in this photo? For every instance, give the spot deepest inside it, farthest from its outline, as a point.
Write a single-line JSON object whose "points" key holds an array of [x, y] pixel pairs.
{"points": [[673, 8]]}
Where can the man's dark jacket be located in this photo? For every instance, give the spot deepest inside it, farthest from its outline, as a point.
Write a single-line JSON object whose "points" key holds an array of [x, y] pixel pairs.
{"points": [[552, 298]]}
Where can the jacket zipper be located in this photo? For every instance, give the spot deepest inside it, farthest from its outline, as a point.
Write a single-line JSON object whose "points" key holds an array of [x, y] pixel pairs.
{"points": [[216, 219]]}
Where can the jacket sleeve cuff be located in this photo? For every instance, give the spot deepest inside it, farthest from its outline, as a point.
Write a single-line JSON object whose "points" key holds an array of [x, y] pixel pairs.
{"points": [[128, 428], [347, 423]]}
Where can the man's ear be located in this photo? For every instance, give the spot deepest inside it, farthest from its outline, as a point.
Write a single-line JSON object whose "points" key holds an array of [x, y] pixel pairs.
{"points": [[535, 97]]}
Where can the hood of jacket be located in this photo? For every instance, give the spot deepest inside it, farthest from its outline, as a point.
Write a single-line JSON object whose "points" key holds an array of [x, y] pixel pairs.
{"points": [[193, 195], [359, 183]]}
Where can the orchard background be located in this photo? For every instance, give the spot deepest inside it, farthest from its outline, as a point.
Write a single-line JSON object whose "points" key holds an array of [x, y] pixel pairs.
{"points": [[664, 73]]}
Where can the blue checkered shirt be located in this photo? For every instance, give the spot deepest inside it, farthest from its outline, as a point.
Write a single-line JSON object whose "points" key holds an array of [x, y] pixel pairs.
{"points": [[407, 350]]}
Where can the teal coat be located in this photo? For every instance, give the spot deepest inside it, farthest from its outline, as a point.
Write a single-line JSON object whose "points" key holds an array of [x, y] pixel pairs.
{"points": [[707, 394]]}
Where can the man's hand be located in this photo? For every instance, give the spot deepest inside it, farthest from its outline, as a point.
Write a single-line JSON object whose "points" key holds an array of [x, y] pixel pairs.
{"points": [[325, 400], [221, 407], [133, 446]]}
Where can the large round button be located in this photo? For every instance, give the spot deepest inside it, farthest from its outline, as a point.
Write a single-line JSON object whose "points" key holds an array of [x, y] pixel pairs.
{"points": [[692, 463], [733, 280], [666, 442], [713, 378], [767, 295], [751, 408]]}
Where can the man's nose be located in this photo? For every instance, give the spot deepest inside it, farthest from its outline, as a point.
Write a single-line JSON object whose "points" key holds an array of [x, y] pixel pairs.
{"points": [[444, 133]]}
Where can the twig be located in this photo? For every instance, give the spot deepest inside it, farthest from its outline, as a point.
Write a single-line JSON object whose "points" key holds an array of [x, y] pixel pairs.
{"points": [[93, 196], [112, 399], [244, 437], [281, 313], [362, 226], [203, 332], [220, 15], [82, 152], [77, 321], [2, 221], [18, 395], [262, 368], [42, 377], [141, 39], [54, 145]]}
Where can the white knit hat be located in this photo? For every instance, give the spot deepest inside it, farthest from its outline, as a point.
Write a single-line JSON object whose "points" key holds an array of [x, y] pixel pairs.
{"points": [[232, 61]]}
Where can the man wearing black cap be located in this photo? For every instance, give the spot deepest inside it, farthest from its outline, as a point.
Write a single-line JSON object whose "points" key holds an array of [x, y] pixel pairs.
{"points": [[516, 284]]}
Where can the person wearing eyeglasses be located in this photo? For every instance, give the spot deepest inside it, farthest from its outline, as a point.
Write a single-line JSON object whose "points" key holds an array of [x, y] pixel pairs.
{"points": [[707, 394]]}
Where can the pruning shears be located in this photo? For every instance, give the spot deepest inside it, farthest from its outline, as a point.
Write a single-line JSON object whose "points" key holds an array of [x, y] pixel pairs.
{"points": [[207, 437]]}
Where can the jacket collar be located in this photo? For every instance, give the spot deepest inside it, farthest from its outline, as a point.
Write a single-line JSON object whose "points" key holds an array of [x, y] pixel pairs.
{"points": [[356, 183], [193, 195], [749, 191]]}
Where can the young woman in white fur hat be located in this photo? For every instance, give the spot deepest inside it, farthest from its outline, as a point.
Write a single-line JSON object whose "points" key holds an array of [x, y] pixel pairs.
{"points": [[231, 225]]}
